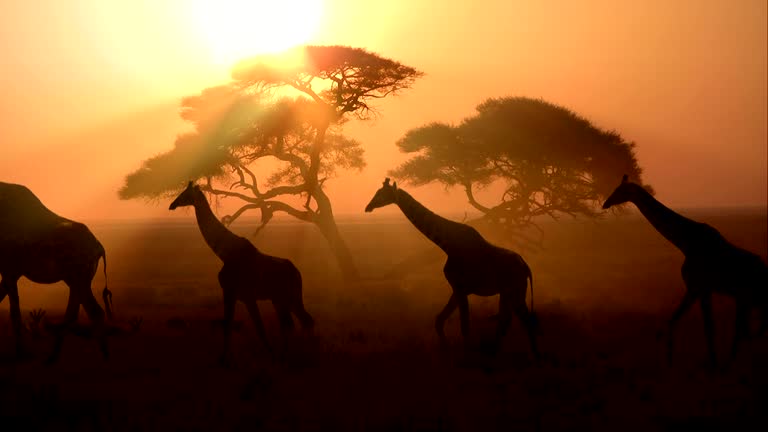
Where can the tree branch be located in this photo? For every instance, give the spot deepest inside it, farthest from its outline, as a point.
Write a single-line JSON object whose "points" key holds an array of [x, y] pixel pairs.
{"points": [[210, 189], [293, 160], [306, 88], [284, 190], [276, 206], [253, 186], [228, 219], [468, 189]]}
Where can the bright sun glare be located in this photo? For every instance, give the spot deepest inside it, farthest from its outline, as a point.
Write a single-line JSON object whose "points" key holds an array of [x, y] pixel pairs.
{"points": [[237, 29]]}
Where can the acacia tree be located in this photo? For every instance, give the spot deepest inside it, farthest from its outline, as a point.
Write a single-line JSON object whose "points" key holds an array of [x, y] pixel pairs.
{"points": [[241, 124], [552, 162]]}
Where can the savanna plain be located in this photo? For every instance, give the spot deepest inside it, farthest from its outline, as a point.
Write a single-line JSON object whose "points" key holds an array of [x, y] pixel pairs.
{"points": [[602, 289]]}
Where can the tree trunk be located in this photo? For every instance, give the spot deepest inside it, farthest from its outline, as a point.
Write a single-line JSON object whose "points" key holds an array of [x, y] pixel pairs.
{"points": [[339, 248], [327, 225]]}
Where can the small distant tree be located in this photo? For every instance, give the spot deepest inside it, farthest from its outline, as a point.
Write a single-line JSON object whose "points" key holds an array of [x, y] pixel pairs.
{"points": [[552, 162], [239, 125]]}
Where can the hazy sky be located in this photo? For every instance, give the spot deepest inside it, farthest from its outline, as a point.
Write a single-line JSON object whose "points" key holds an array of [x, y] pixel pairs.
{"points": [[90, 88]]}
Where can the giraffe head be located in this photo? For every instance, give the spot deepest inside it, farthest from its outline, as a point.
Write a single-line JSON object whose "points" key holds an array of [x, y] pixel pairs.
{"points": [[383, 196], [187, 197], [621, 194]]}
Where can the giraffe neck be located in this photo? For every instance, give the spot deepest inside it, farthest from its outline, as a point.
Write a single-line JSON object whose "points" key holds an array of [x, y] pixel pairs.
{"points": [[222, 241], [684, 233], [448, 235]]}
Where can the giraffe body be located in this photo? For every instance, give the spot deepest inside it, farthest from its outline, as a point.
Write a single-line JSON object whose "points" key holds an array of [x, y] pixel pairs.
{"points": [[486, 271], [712, 265], [247, 274], [474, 266], [728, 270], [46, 248]]}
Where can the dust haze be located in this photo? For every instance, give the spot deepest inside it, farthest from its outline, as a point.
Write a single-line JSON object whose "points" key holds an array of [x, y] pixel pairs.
{"points": [[515, 117], [601, 290]]}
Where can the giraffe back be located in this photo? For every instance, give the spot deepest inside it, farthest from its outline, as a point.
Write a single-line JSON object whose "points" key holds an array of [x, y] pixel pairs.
{"points": [[488, 270], [31, 235], [23, 214], [257, 276], [728, 269], [40, 245]]}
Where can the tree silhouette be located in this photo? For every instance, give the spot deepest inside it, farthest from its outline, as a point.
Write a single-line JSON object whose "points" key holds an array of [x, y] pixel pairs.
{"points": [[288, 108], [551, 161]]}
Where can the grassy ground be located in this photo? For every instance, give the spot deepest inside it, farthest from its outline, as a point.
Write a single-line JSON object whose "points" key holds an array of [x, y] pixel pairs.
{"points": [[602, 290]]}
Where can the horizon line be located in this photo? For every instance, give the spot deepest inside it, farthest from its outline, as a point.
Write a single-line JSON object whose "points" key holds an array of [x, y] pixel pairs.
{"points": [[340, 217]]}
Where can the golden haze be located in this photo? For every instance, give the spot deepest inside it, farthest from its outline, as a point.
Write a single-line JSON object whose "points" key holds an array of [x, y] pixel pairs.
{"points": [[91, 88]]}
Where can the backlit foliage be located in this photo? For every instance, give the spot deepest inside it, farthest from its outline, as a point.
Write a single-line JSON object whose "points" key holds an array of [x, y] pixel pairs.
{"points": [[289, 109], [550, 160]]}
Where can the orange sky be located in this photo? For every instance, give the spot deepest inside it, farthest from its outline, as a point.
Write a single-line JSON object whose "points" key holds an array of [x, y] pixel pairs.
{"points": [[90, 88]]}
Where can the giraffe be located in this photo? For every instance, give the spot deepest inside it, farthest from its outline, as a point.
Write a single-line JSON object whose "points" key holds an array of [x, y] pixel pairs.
{"points": [[247, 274], [46, 248], [712, 265], [474, 266]]}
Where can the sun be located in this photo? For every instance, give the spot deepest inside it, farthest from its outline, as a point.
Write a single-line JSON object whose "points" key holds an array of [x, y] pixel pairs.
{"points": [[236, 29]]}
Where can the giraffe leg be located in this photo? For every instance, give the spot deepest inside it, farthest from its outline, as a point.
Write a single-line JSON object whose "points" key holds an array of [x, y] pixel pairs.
{"points": [[284, 318], [3, 291], [287, 326], [96, 316], [10, 287], [306, 320], [442, 316], [464, 318], [59, 330], [709, 327], [229, 315], [741, 329], [253, 311], [296, 303], [504, 318], [528, 322], [682, 308]]}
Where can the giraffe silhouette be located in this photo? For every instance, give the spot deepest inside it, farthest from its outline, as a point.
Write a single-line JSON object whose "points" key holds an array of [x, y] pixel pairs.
{"points": [[247, 274], [712, 264], [46, 248], [474, 266]]}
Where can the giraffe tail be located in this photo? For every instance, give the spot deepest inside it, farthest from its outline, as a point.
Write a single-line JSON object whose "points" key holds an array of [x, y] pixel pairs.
{"points": [[106, 294]]}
